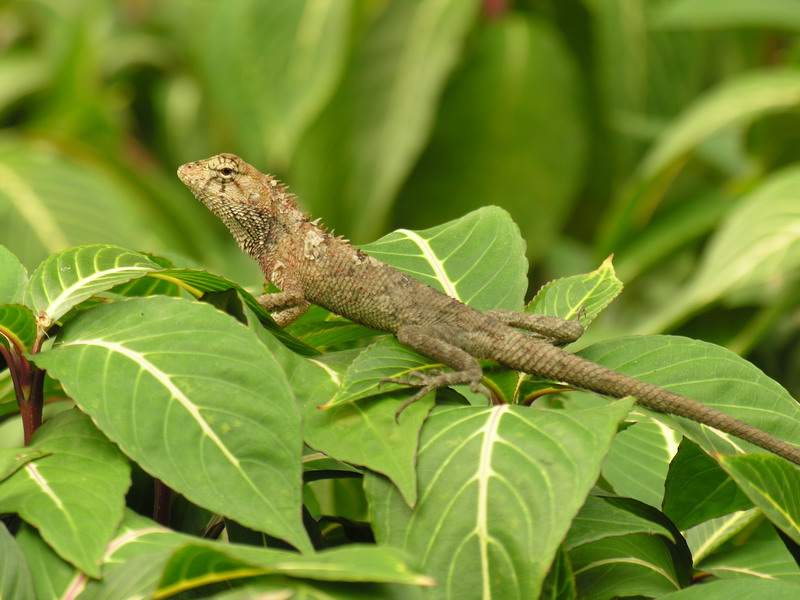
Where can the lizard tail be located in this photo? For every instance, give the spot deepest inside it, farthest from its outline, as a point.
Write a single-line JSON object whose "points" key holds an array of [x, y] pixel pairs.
{"points": [[574, 370]]}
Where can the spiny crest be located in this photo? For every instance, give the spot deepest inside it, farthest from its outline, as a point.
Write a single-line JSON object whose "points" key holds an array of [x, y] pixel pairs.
{"points": [[282, 190], [318, 223], [278, 185]]}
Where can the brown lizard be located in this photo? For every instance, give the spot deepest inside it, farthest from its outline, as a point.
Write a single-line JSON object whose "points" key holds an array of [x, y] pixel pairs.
{"points": [[311, 266]]}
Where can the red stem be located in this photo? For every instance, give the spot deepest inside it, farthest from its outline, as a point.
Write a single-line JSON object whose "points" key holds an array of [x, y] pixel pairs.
{"points": [[31, 408]]}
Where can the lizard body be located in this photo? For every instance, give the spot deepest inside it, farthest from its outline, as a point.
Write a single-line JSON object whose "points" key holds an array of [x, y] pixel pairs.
{"points": [[311, 266]]}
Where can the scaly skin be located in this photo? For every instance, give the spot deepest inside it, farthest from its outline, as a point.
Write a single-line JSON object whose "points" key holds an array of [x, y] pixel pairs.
{"points": [[311, 266]]}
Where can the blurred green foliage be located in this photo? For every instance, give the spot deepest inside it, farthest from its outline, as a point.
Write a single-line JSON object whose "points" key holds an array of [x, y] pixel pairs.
{"points": [[663, 131]]}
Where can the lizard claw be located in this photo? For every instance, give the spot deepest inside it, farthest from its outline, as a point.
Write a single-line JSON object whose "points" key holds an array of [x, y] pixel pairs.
{"points": [[478, 388], [414, 378], [409, 401]]}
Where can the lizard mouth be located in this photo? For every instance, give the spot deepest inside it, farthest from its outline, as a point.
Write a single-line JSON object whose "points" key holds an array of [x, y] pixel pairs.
{"points": [[186, 172]]}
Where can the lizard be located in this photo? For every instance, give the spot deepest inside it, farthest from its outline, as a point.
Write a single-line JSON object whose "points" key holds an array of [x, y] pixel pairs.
{"points": [[309, 265]]}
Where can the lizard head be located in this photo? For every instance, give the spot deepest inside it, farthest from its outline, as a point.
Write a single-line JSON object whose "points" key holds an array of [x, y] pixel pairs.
{"points": [[241, 196], [224, 179]]}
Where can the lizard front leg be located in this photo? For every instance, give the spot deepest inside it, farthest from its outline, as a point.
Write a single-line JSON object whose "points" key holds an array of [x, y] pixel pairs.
{"points": [[466, 368], [284, 306], [550, 329]]}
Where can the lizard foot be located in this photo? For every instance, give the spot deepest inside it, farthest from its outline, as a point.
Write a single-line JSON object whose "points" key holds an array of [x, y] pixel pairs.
{"points": [[414, 378], [428, 382]]}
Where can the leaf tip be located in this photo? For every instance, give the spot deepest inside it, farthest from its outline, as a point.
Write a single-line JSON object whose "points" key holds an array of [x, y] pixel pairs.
{"points": [[608, 263]]}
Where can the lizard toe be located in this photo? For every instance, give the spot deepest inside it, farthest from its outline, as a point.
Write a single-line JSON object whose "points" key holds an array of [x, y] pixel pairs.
{"points": [[479, 388], [413, 379], [409, 401]]}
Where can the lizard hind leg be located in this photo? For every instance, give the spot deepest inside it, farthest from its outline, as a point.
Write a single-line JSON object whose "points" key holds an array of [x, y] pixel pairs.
{"points": [[432, 342], [553, 330]]}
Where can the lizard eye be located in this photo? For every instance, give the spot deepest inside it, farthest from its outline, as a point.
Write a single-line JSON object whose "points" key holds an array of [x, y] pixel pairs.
{"points": [[226, 171]]}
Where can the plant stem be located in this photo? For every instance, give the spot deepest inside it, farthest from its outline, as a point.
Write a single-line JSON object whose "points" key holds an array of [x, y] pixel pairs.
{"points": [[30, 408]]}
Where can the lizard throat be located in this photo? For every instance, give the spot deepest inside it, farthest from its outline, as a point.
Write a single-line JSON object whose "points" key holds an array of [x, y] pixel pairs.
{"points": [[249, 224]]}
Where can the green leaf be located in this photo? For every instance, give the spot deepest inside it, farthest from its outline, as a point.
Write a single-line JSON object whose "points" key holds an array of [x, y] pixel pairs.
{"points": [[755, 553], [361, 433], [705, 14], [627, 537], [8, 396], [523, 149], [709, 374], [319, 462], [196, 565], [382, 112], [365, 433], [12, 459], [677, 228], [322, 329], [697, 489], [17, 327], [189, 562], [630, 565], [735, 102], [478, 525], [706, 538], [70, 277], [772, 484], [138, 535], [637, 464], [756, 248], [76, 495], [22, 72], [150, 285], [199, 282], [290, 52], [601, 517], [355, 562], [738, 589], [478, 258], [53, 577], [560, 581], [193, 397], [15, 577], [385, 358], [584, 295], [65, 279], [13, 277], [73, 204], [136, 578], [292, 589]]}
